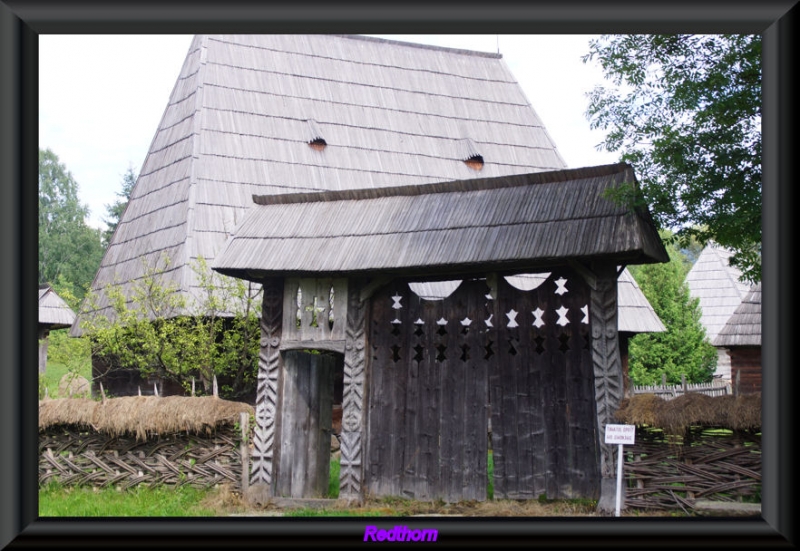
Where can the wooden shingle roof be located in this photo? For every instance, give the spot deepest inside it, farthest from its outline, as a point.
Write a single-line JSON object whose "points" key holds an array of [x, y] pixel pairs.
{"points": [[246, 107], [716, 284], [506, 223], [744, 326], [53, 311]]}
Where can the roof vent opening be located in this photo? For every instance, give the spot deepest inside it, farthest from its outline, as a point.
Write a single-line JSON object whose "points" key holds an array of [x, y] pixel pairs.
{"points": [[475, 162], [317, 145], [315, 140]]}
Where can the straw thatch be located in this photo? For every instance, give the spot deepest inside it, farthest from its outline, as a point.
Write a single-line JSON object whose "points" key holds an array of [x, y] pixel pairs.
{"points": [[528, 220], [677, 415], [246, 109], [143, 415]]}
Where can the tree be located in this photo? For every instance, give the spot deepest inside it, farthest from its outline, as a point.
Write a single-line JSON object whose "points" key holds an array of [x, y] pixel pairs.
{"points": [[68, 248], [683, 349], [115, 210], [685, 112]]}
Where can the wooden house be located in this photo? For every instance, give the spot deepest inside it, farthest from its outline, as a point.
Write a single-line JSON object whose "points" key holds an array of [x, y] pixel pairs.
{"points": [[419, 375], [54, 313], [284, 117], [280, 114], [741, 336], [716, 284]]}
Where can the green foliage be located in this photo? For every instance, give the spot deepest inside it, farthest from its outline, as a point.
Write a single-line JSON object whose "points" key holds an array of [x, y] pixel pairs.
{"points": [[220, 336], [68, 248], [683, 348], [115, 210], [685, 111]]}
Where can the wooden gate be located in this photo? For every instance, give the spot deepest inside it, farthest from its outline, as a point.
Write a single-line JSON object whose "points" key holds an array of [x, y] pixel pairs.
{"points": [[427, 418], [435, 369], [544, 418]]}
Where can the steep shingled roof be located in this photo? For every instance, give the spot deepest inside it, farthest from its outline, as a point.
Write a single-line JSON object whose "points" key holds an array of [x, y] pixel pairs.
{"points": [[245, 108], [53, 311], [744, 326], [716, 283], [509, 222]]}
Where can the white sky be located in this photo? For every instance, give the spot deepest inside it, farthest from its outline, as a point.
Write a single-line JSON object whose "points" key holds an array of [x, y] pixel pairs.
{"points": [[101, 98]]}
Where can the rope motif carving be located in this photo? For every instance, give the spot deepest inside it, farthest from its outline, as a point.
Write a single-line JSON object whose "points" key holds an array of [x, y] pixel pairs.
{"points": [[350, 477], [267, 391], [607, 365]]}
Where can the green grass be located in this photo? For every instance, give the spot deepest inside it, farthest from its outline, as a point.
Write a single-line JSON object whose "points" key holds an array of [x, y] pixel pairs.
{"points": [[59, 501], [55, 371]]}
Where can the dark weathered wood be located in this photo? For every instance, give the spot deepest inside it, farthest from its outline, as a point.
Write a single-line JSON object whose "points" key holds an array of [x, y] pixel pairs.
{"points": [[267, 398], [351, 474], [305, 425], [427, 421], [746, 364], [543, 414]]}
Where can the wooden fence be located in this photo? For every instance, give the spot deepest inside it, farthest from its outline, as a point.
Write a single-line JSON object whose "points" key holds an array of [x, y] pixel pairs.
{"points": [[670, 472], [73, 455], [714, 388]]}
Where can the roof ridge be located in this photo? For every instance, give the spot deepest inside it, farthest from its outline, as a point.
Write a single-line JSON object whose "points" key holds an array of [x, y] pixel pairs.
{"points": [[475, 184], [459, 51]]}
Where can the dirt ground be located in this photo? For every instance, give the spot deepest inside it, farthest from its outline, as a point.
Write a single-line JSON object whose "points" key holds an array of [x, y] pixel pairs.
{"points": [[229, 503]]}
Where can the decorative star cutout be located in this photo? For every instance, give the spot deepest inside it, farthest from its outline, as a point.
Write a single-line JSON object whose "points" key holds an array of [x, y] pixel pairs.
{"points": [[538, 313], [441, 321], [512, 318], [397, 299], [489, 321], [561, 282], [562, 316], [419, 322], [466, 321], [585, 311]]}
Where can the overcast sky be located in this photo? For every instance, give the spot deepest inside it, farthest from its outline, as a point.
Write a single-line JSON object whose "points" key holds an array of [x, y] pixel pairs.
{"points": [[101, 98]]}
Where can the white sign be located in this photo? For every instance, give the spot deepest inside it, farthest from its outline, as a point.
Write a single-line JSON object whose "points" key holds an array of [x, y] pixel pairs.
{"points": [[620, 434]]}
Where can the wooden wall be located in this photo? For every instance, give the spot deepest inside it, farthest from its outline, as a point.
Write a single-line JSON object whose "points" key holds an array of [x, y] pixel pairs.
{"points": [[746, 367]]}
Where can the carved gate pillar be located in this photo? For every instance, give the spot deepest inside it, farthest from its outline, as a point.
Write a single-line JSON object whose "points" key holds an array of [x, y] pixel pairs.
{"points": [[607, 364]]}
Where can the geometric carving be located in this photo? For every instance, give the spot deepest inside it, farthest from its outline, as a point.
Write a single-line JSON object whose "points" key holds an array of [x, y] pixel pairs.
{"points": [[350, 474], [564, 340], [512, 318], [585, 311], [538, 313], [267, 389], [561, 282]]}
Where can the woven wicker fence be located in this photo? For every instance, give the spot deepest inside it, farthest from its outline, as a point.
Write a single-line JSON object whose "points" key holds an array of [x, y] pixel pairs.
{"points": [[74, 456], [123, 442]]}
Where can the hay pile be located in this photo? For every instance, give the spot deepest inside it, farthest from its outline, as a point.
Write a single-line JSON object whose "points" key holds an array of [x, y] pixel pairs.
{"points": [[143, 415], [692, 409]]}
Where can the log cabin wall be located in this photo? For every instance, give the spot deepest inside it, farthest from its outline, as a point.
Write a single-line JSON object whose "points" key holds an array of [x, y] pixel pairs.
{"points": [[746, 368]]}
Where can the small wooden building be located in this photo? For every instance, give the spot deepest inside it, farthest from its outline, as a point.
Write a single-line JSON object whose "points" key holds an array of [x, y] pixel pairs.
{"points": [[337, 270], [54, 313], [717, 286], [742, 337]]}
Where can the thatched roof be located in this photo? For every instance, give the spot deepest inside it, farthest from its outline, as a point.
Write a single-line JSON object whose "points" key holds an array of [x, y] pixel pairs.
{"points": [[692, 409], [509, 222], [246, 108], [744, 325], [716, 283], [53, 311], [143, 415]]}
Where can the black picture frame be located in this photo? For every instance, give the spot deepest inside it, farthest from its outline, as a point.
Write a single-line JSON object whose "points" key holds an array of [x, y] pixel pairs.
{"points": [[22, 21]]}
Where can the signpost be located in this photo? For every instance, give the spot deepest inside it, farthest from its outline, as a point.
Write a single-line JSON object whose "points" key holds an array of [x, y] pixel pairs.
{"points": [[620, 434]]}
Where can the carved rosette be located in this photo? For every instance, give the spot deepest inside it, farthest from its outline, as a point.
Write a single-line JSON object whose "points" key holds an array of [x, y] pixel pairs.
{"points": [[606, 361], [267, 391], [350, 474]]}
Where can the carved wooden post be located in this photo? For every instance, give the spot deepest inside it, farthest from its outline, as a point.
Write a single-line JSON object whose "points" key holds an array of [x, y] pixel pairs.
{"points": [[607, 371], [351, 470], [269, 361]]}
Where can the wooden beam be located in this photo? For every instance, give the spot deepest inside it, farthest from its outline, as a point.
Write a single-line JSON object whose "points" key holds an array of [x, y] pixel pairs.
{"points": [[589, 276], [373, 286], [330, 345]]}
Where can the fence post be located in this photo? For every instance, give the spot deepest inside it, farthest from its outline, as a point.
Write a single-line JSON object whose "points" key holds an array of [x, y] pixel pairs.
{"points": [[683, 382], [216, 389], [244, 451]]}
